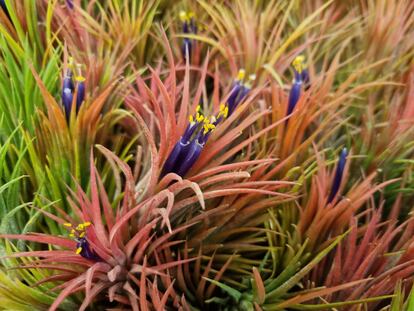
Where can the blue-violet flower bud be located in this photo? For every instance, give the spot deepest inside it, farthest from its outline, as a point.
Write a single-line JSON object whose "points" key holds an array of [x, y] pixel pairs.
{"points": [[338, 174]]}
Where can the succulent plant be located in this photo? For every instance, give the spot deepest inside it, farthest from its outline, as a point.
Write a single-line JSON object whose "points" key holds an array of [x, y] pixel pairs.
{"points": [[206, 155]]}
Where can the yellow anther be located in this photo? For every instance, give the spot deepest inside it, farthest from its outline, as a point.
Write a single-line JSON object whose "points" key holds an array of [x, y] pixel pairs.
{"points": [[199, 117], [67, 224], [298, 63], [241, 74], [183, 16], [82, 234], [87, 224], [72, 235], [208, 127], [198, 108], [80, 227], [78, 250], [70, 62], [191, 119], [224, 111], [80, 79], [190, 15]]}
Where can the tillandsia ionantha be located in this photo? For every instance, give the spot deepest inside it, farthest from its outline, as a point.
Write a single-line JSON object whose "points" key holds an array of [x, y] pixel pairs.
{"points": [[187, 150], [142, 169]]}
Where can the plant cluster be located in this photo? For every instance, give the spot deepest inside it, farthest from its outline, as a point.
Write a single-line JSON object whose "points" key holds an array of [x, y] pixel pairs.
{"points": [[206, 155]]}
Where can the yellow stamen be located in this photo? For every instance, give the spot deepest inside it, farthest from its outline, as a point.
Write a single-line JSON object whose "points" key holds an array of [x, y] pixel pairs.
{"points": [[198, 108], [191, 119], [80, 79], [80, 227], [190, 15], [67, 224], [298, 63], [72, 235], [183, 16], [87, 224], [199, 117], [224, 111], [82, 234], [208, 127], [241, 74], [78, 250], [70, 62]]}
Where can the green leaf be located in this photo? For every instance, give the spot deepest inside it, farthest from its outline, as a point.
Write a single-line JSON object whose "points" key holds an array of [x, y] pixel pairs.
{"points": [[235, 294]]}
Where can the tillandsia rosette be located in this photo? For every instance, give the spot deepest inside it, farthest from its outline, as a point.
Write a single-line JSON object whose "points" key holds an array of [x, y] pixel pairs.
{"points": [[206, 155], [190, 145]]}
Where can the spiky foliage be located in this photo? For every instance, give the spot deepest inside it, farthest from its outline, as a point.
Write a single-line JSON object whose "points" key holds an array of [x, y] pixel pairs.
{"points": [[206, 155]]}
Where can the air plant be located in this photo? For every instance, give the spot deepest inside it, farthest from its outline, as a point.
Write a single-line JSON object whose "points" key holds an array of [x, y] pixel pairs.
{"points": [[109, 261], [180, 167]]}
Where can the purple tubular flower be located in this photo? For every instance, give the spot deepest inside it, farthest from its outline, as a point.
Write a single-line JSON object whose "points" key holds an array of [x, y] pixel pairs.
{"points": [[294, 96], [338, 174], [85, 251], [193, 26], [191, 156], [305, 78], [301, 73], [174, 158], [80, 97], [186, 48], [239, 91], [187, 150], [243, 94], [69, 3], [68, 83], [189, 27], [182, 147], [233, 101], [67, 98], [68, 90], [191, 128]]}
